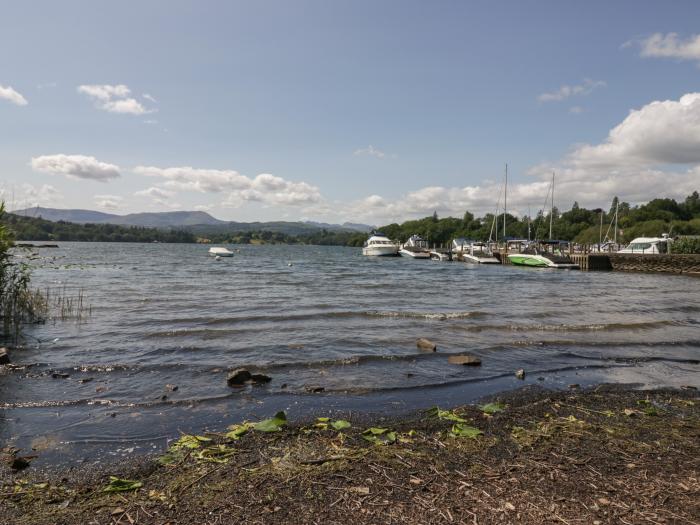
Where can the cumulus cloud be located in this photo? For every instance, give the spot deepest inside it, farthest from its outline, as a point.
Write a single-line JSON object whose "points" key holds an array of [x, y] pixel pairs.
{"points": [[108, 202], [9, 94], [370, 151], [654, 152], [114, 98], [264, 188], [29, 196], [159, 196], [566, 91], [75, 167], [670, 45]]}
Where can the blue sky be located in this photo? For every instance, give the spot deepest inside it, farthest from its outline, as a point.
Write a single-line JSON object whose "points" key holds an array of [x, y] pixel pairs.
{"points": [[363, 111]]}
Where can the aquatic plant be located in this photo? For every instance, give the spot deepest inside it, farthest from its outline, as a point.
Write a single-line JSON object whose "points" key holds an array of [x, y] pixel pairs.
{"points": [[19, 304]]}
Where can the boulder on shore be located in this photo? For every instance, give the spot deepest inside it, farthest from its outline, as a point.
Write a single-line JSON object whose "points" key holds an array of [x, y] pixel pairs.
{"points": [[426, 345], [466, 360]]}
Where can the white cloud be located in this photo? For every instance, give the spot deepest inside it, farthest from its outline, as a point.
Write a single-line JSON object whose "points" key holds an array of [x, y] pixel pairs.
{"points": [[149, 97], [264, 188], [576, 110], [114, 98], [370, 151], [654, 152], [566, 91], [75, 167], [155, 193], [9, 94], [108, 202], [670, 46], [29, 196]]}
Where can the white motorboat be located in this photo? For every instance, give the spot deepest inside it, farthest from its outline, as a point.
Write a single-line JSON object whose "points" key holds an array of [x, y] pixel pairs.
{"points": [[479, 253], [415, 247], [440, 255], [218, 251], [379, 245], [648, 245]]}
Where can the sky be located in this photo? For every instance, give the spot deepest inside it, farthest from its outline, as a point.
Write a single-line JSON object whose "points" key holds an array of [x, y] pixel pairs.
{"points": [[363, 111]]}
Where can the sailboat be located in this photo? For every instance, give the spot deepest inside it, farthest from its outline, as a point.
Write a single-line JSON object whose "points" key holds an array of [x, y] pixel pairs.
{"points": [[545, 254]]}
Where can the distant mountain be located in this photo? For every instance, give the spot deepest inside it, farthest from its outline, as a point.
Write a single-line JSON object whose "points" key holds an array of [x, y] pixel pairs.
{"points": [[197, 222], [168, 219]]}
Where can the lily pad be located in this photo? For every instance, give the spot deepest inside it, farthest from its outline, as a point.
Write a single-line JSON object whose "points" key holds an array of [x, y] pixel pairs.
{"points": [[122, 485], [274, 424]]}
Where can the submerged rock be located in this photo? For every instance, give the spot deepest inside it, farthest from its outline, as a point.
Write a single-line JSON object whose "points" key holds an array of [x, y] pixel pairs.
{"points": [[466, 360], [260, 378], [520, 373], [171, 388], [426, 345], [314, 389], [238, 377], [4, 358]]}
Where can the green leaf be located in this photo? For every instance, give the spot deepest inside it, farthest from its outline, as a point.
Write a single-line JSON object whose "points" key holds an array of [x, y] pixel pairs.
{"points": [[122, 485], [492, 408], [238, 430], [448, 415], [380, 436], [273, 424], [464, 431], [323, 419], [340, 424]]}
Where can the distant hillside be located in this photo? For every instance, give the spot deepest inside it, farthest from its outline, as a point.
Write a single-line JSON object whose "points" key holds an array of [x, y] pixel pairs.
{"points": [[168, 219], [195, 221]]}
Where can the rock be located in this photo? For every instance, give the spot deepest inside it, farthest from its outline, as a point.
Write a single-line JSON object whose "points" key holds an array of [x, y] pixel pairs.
{"points": [[260, 378], [520, 373], [171, 388], [20, 462], [574, 386], [314, 389], [60, 375], [426, 345], [688, 387], [466, 360], [238, 377], [4, 358], [85, 380]]}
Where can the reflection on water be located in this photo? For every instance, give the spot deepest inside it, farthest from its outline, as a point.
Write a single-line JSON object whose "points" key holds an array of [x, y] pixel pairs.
{"points": [[171, 315]]}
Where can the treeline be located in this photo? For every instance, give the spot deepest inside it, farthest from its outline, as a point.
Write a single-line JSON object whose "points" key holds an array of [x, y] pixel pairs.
{"points": [[38, 229], [578, 224], [322, 237]]}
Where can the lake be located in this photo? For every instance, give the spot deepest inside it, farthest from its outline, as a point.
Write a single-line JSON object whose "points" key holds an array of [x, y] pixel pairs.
{"points": [[312, 318]]}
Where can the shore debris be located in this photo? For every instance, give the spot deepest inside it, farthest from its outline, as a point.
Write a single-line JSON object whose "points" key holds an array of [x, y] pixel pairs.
{"points": [[314, 389], [466, 360], [520, 374], [426, 345]]}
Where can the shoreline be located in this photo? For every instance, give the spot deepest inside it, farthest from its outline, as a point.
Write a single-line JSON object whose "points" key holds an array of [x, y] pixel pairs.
{"points": [[606, 454]]}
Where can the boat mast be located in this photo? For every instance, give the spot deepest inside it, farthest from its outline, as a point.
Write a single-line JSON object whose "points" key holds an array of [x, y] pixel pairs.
{"points": [[505, 203], [617, 206], [528, 221], [551, 210]]}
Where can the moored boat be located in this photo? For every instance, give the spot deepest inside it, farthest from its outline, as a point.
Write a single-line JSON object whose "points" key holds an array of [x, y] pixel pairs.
{"points": [[379, 245], [544, 254], [415, 247], [479, 253], [218, 251]]}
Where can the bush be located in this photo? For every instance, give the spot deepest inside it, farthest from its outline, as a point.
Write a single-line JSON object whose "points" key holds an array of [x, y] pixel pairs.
{"points": [[686, 245]]}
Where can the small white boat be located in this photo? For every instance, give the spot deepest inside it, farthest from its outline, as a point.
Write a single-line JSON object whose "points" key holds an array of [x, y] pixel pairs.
{"points": [[440, 256], [415, 247], [379, 245], [218, 251], [479, 253]]}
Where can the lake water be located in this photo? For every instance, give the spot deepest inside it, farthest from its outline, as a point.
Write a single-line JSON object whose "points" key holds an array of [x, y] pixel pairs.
{"points": [[168, 314]]}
